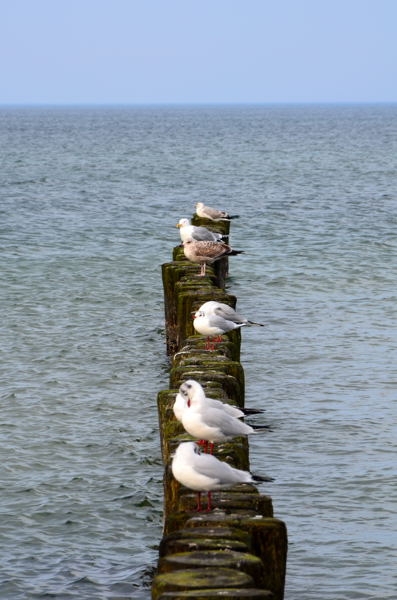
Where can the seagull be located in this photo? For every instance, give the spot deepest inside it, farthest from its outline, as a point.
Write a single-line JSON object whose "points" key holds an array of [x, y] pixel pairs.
{"points": [[205, 473], [206, 212], [206, 252], [191, 388], [213, 326], [225, 311], [212, 424], [198, 234]]}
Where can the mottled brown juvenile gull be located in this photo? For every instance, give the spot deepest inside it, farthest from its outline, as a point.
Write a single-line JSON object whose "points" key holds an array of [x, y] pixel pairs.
{"points": [[199, 234], [207, 252], [206, 212]]}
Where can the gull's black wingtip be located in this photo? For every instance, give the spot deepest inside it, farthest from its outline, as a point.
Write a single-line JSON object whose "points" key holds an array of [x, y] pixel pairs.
{"points": [[263, 478]]}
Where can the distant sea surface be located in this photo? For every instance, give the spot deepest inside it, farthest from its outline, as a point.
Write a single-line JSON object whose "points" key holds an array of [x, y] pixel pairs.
{"points": [[89, 199]]}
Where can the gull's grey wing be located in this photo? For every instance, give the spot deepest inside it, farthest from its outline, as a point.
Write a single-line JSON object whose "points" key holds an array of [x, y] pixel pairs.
{"points": [[226, 325], [228, 425], [208, 465], [227, 312], [203, 234]]}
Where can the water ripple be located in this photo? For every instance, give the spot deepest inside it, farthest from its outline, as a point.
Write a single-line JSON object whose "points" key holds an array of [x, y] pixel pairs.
{"points": [[82, 237]]}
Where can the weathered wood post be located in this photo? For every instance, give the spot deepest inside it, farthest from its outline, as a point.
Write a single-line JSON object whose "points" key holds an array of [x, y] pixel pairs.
{"points": [[239, 549]]}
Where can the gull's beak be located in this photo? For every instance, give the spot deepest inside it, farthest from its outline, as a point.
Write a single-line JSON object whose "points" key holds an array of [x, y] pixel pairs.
{"points": [[178, 225]]}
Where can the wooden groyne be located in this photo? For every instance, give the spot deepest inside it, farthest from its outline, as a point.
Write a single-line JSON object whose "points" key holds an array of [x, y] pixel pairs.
{"points": [[238, 550]]}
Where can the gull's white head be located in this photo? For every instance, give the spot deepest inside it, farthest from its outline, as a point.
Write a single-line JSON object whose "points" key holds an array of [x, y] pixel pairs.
{"points": [[179, 406], [199, 204], [209, 306], [183, 223], [191, 391], [186, 450]]}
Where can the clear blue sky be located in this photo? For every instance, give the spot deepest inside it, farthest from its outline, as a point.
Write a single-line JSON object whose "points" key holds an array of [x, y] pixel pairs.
{"points": [[197, 51]]}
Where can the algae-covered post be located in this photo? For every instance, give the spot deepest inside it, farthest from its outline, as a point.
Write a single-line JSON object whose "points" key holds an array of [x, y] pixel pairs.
{"points": [[237, 550]]}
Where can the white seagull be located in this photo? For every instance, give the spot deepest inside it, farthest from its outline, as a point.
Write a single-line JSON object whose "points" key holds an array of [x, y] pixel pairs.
{"points": [[205, 473], [212, 424], [199, 234], [212, 307], [206, 212], [192, 388], [213, 326]]}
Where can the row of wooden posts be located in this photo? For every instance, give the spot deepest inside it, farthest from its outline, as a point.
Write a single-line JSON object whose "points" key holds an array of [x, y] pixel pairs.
{"points": [[239, 549]]}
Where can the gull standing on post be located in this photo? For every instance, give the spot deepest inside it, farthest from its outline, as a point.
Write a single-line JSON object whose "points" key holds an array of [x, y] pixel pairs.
{"points": [[207, 252], [209, 424], [219, 309], [191, 388], [199, 234], [213, 326], [206, 212], [205, 473]]}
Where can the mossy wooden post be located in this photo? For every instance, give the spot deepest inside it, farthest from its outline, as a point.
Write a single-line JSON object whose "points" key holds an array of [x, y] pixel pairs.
{"points": [[224, 559], [222, 227], [184, 292], [219, 594], [200, 579], [205, 538], [241, 544], [268, 538]]}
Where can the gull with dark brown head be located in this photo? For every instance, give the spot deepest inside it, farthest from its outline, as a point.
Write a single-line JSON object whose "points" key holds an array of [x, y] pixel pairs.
{"points": [[207, 252], [207, 212]]}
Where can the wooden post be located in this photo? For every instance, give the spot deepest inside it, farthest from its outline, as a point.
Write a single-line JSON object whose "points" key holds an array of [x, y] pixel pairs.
{"points": [[241, 545]]}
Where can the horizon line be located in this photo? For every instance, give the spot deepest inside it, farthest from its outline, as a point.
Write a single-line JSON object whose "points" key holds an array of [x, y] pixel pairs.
{"points": [[192, 103]]}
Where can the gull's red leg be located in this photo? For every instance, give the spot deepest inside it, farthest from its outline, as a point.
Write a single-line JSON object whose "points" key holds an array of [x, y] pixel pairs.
{"points": [[204, 444], [209, 345], [199, 508]]}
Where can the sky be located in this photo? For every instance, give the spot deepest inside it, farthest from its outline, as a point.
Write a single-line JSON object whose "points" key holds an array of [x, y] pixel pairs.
{"points": [[197, 51]]}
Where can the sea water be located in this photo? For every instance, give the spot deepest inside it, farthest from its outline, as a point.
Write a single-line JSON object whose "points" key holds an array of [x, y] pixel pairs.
{"points": [[89, 200]]}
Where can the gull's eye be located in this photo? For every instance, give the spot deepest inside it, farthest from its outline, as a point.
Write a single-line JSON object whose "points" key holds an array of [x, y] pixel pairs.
{"points": [[189, 385]]}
